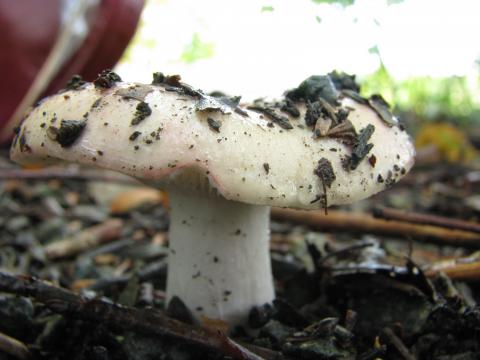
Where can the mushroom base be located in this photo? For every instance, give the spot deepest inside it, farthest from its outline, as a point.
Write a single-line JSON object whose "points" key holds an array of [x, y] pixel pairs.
{"points": [[219, 260]]}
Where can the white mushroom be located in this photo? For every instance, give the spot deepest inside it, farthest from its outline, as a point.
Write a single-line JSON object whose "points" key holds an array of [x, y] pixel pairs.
{"points": [[223, 167]]}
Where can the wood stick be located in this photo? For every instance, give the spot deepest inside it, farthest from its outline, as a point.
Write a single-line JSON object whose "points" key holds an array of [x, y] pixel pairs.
{"points": [[417, 218], [456, 269], [14, 347], [85, 239], [361, 223], [398, 344], [149, 322]]}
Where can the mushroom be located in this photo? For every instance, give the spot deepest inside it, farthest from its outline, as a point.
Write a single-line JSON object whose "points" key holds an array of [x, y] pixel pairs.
{"points": [[223, 166]]}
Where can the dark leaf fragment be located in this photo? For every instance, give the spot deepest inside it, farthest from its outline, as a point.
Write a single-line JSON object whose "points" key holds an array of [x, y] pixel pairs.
{"points": [[314, 87], [106, 79], [67, 133], [343, 81], [213, 124], [382, 108], [343, 132], [224, 105], [360, 149], [342, 115], [314, 111], [355, 96], [135, 92], [158, 78], [289, 107], [143, 111], [75, 83]]}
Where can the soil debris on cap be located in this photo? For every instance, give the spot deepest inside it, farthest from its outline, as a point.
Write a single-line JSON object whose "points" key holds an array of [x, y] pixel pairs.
{"points": [[266, 166], [67, 133], [75, 83], [172, 83], [96, 104], [321, 95], [266, 109], [222, 103], [213, 124], [106, 79], [143, 111], [325, 172], [134, 135], [22, 141]]}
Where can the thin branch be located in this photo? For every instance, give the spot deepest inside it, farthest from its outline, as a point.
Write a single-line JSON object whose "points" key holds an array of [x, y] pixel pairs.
{"points": [[417, 218], [361, 223], [143, 321], [456, 269], [85, 239], [398, 344], [14, 347]]}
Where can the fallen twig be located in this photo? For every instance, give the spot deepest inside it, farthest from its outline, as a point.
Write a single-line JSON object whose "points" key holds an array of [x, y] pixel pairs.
{"points": [[361, 223], [416, 218], [14, 347], [143, 321], [85, 239], [456, 269], [398, 344]]}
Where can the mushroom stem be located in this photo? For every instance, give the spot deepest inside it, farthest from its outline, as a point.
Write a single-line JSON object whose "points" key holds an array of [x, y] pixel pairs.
{"points": [[219, 261]]}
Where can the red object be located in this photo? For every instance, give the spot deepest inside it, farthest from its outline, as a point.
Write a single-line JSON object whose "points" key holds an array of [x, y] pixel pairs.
{"points": [[29, 30]]}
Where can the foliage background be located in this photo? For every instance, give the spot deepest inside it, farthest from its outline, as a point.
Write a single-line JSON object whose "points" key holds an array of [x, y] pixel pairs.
{"points": [[420, 55]]}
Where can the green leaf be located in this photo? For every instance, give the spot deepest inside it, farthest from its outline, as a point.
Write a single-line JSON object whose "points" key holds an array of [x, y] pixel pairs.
{"points": [[343, 3], [267, 9], [374, 50], [197, 50], [394, 2]]}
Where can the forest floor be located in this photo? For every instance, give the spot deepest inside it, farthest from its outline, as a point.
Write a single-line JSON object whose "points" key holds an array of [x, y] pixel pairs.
{"points": [[374, 280]]}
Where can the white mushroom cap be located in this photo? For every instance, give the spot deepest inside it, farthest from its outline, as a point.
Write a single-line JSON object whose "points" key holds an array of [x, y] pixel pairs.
{"points": [[171, 135]]}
